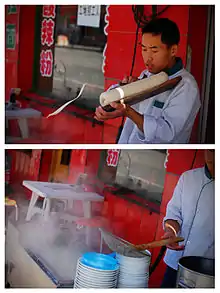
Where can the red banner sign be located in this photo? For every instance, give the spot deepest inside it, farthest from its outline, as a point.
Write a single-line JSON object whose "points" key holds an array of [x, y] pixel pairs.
{"points": [[47, 39], [112, 158]]}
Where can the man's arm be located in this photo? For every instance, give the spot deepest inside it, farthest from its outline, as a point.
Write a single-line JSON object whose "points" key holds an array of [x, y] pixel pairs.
{"points": [[102, 115], [136, 117], [173, 220], [121, 110], [172, 226], [183, 106], [164, 128]]}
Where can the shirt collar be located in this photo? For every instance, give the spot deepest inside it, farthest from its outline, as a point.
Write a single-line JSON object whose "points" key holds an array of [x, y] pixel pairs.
{"points": [[170, 71], [176, 67], [207, 172]]}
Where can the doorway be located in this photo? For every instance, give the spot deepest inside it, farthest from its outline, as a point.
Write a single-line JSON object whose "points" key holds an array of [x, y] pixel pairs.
{"points": [[60, 166]]}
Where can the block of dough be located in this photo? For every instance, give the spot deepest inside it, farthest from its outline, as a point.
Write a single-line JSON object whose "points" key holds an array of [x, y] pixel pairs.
{"points": [[133, 88]]}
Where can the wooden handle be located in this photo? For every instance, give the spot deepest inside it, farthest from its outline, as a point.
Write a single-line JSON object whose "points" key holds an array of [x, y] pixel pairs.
{"points": [[149, 93], [158, 243]]}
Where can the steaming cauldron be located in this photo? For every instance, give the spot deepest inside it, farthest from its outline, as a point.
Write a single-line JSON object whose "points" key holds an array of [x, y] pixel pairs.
{"points": [[196, 272]]}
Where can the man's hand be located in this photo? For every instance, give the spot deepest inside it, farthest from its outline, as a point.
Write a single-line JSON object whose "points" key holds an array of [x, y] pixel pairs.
{"points": [[120, 109], [174, 246], [102, 115], [128, 79]]}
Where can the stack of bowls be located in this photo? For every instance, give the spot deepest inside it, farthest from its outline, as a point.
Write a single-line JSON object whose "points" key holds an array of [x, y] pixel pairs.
{"points": [[96, 270], [134, 271]]}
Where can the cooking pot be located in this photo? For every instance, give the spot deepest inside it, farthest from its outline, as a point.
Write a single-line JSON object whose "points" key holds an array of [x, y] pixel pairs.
{"points": [[196, 272]]}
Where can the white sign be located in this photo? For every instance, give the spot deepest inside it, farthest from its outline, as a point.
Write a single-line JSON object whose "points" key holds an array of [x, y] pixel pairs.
{"points": [[89, 15]]}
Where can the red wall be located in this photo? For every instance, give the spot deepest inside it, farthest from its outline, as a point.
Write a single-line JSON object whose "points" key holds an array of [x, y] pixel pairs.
{"points": [[26, 44], [121, 39], [45, 164], [24, 167], [11, 56]]}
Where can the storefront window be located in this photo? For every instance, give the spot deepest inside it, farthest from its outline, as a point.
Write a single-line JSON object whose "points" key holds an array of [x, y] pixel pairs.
{"points": [[140, 171], [78, 53]]}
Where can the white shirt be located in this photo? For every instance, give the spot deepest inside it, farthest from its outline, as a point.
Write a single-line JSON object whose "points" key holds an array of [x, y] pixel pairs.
{"points": [[168, 117], [193, 206]]}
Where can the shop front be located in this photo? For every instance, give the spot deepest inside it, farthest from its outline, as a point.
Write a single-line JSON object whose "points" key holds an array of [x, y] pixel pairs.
{"points": [[130, 190], [53, 50]]}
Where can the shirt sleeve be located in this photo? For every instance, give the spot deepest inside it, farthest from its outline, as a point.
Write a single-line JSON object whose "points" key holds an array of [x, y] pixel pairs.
{"points": [[126, 131], [127, 128], [183, 106], [174, 210], [113, 86]]}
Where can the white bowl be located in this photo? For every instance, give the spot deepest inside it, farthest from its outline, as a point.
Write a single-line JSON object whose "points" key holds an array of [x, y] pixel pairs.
{"points": [[84, 284], [106, 281], [120, 256], [135, 265], [130, 286], [101, 277], [140, 271], [95, 275], [96, 271], [134, 260], [133, 276]]}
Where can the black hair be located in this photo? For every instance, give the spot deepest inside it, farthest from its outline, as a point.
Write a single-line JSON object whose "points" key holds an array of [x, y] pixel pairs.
{"points": [[168, 29]]}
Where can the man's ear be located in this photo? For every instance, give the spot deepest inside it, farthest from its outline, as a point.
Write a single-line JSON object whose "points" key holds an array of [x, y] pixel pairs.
{"points": [[174, 50]]}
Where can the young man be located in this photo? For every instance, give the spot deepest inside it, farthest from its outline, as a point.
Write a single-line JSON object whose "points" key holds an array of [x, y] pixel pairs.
{"points": [[168, 117], [191, 214]]}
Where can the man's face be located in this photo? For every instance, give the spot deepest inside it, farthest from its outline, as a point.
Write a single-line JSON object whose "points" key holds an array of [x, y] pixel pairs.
{"points": [[157, 56], [210, 161]]}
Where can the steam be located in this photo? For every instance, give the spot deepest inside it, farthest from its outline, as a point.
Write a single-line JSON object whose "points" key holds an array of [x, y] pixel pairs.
{"points": [[58, 244]]}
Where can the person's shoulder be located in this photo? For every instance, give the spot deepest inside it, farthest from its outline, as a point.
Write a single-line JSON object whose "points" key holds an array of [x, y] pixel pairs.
{"points": [[197, 172], [187, 78], [187, 86]]}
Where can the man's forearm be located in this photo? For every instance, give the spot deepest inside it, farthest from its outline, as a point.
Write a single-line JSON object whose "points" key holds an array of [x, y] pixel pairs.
{"points": [[136, 117], [172, 224]]}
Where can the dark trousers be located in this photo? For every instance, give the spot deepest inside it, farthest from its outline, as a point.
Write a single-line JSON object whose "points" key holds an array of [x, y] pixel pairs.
{"points": [[169, 279]]}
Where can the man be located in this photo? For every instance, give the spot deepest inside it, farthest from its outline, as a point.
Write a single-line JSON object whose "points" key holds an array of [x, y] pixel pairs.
{"points": [[168, 117], [191, 215]]}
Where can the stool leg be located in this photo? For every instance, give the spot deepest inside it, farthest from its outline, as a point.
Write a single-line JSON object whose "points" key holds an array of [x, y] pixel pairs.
{"points": [[16, 213]]}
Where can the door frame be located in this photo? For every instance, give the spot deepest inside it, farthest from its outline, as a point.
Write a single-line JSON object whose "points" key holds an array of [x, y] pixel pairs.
{"points": [[207, 71]]}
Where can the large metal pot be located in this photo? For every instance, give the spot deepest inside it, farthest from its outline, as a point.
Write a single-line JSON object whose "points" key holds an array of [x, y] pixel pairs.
{"points": [[196, 272]]}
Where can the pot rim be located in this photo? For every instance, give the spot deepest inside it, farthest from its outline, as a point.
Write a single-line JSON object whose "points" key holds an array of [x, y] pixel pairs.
{"points": [[194, 272]]}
